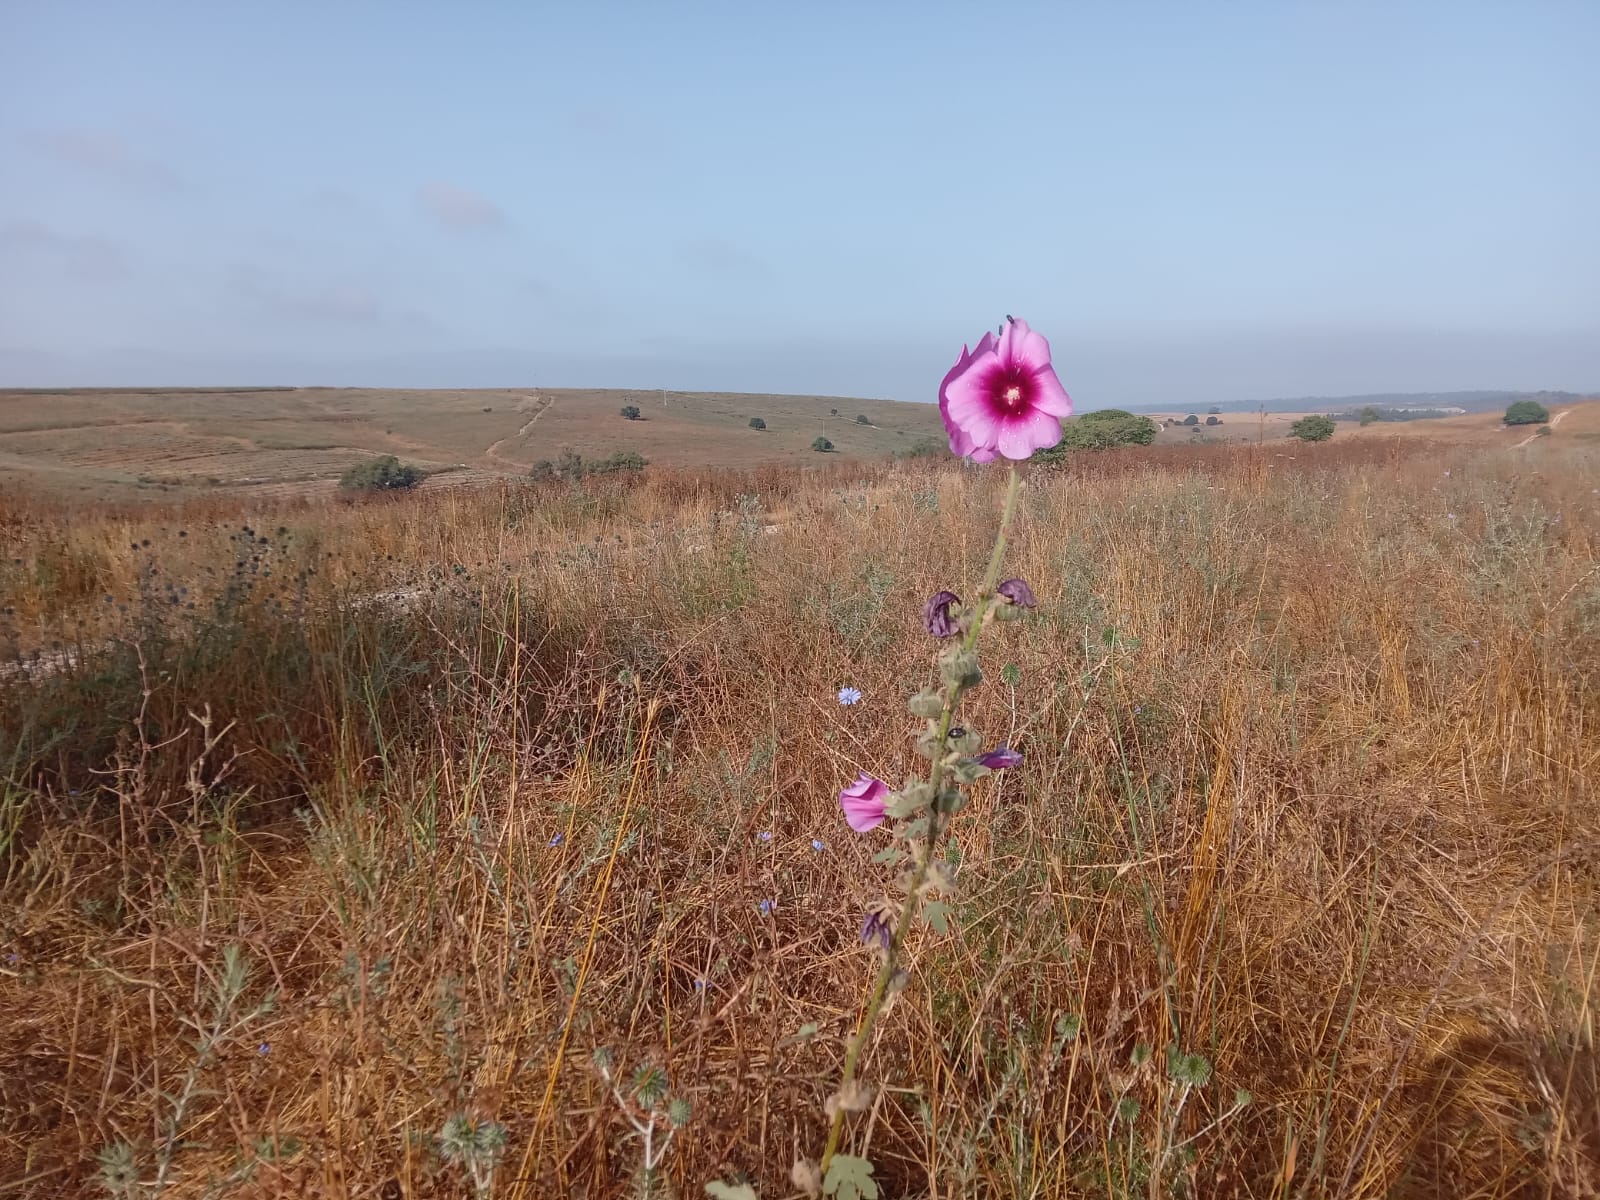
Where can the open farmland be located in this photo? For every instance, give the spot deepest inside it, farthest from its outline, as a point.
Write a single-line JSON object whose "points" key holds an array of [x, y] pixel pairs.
{"points": [[93, 442], [479, 782]]}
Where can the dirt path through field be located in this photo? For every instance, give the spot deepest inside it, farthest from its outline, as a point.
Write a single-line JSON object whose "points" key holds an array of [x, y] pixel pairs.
{"points": [[1554, 421], [536, 404]]}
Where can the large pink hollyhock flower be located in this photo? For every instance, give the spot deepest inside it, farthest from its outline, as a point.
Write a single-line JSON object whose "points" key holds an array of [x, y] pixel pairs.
{"points": [[1004, 397], [863, 803]]}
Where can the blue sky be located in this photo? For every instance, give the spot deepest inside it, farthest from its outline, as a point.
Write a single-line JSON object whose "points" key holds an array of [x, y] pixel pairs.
{"points": [[1194, 201]]}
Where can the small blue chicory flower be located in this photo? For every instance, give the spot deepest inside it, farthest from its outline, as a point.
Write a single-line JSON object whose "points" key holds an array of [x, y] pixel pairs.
{"points": [[264, 1049], [558, 839], [849, 696], [816, 844], [764, 836], [766, 907]]}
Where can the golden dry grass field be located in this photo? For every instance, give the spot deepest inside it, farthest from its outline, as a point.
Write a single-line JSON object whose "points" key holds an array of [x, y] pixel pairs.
{"points": [[473, 783]]}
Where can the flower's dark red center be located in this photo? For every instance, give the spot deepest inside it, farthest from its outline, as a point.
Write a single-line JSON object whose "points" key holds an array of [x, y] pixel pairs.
{"points": [[1013, 391]]}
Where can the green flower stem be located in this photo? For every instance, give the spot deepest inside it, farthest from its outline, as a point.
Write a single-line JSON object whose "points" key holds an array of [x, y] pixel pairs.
{"points": [[938, 822]]}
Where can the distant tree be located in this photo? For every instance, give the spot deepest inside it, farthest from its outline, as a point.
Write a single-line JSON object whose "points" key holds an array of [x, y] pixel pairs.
{"points": [[861, 419], [1214, 410], [623, 461], [1544, 431], [1527, 412], [757, 423], [1213, 420], [384, 473], [1191, 419], [833, 412], [822, 445], [1369, 415], [1100, 430], [925, 447], [631, 412], [1315, 428]]}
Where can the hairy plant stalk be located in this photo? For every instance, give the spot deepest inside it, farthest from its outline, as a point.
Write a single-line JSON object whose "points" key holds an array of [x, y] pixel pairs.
{"points": [[938, 822]]}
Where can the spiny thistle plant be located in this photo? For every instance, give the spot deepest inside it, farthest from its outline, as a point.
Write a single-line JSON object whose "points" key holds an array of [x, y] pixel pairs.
{"points": [[476, 1146], [646, 1106], [1002, 399]]}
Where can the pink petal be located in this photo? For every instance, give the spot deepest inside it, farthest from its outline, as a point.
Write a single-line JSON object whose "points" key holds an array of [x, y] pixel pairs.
{"points": [[970, 408], [1021, 346], [1048, 394], [863, 803], [1022, 435]]}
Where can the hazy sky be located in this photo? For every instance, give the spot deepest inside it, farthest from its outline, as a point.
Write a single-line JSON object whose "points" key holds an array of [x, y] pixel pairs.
{"points": [[1194, 201]]}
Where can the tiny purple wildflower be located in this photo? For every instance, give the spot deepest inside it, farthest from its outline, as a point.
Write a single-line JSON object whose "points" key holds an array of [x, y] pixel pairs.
{"points": [[699, 985], [558, 839], [766, 907], [936, 618], [817, 845], [1000, 758], [849, 696], [264, 1049], [764, 836], [1016, 591]]}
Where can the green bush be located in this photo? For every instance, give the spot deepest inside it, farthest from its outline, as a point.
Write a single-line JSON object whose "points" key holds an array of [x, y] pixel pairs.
{"points": [[631, 411], [861, 419], [757, 423], [1315, 428], [822, 445], [1100, 430], [1527, 412], [925, 447], [385, 473], [570, 466], [1191, 419], [1369, 415], [1213, 420], [1544, 431]]}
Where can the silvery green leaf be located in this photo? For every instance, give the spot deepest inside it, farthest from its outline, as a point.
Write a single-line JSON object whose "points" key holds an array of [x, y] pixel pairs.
{"points": [[967, 771], [927, 703], [969, 741], [718, 1190], [850, 1178], [950, 801], [937, 914], [959, 668], [909, 800], [914, 831], [889, 854]]}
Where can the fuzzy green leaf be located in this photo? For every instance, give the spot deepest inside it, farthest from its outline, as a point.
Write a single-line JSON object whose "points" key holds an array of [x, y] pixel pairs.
{"points": [[718, 1190], [927, 704], [850, 1178], [937, 914]]}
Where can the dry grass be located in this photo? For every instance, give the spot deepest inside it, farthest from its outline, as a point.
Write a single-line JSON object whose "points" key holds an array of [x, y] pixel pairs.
{"points": [[1310, 790]]}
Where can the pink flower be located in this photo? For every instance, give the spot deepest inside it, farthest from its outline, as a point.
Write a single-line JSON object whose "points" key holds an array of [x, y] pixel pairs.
{"points": [[1004, 397], [863, 803]]}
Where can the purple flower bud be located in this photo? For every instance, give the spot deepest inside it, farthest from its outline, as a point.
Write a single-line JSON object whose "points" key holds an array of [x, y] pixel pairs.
{"points": [[1000, 758], [1015, 591], [936, 618], [876, 929]]}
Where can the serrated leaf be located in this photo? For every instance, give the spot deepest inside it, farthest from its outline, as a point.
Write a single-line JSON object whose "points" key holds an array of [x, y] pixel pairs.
{"points": [[850, 1178], [937, 914], [724, 1191]]}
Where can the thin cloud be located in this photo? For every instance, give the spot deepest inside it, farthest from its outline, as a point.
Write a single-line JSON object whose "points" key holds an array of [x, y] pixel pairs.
{"points": [[457, 208], [717, 257], [104, 154], [81, 256], [343, 303]]}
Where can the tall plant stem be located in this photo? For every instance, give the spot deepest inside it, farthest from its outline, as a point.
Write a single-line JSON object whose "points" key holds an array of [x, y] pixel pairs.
{"points": [[938, 822]]}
